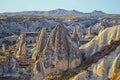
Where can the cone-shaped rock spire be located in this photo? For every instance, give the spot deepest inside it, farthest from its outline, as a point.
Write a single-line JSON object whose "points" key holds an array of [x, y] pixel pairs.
{"points": [[40, 45], [60, 53]]}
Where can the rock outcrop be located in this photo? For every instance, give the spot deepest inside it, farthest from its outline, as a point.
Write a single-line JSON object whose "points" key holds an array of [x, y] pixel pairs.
{"points": [[105, 37], [40, 45], [101, 68], [89, 31], [21, 50], [107, 66], [80, 36], [59, 54], [104, 69], [9, 67], [3, 47], [56, 51], [38, 70], [75, 37], [115, 66]]}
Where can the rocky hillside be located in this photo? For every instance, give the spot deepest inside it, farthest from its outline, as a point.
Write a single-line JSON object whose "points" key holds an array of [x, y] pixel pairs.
{"points": [[105, 37], [87, 26], [84, 46], [108, 66], [15, 23], [102, 65], [103, 69]]}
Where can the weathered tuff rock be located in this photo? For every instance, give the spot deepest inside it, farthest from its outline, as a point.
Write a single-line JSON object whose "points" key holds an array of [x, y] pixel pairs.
{"points": [[107, 66], [38, 70], [3, 47], [59, 54], [21, 46], [40, 45], [101, 68], [9, 67], [105, 37], [115, 66], [22, 24], [75, 37], [89, 31], [104, 69]]}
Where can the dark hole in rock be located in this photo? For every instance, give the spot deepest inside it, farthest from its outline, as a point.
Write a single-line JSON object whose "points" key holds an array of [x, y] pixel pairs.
{"points": [[53, 66]]}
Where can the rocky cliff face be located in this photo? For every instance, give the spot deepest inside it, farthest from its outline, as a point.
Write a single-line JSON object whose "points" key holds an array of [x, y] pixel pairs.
{"points": [[59, 54], [104, 69], [105, 37], [107, 67], [115, 66]]}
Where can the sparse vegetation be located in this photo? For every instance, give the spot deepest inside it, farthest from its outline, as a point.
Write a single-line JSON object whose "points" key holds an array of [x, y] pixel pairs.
{"points": [[0, 48], [52, 77], [2, 58]]}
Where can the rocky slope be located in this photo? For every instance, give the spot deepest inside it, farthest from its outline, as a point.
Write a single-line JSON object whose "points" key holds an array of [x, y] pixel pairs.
{"points": [[44, 48], [14, 24], [103, 64], [104, 69], [107, 66], [104, 38]]}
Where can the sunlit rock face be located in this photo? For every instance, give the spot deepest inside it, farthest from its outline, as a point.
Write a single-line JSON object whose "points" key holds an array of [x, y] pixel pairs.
{"points": [[105, 37], [21, 46], [101, 68], [104, 69], [41, 43], [59, 54], [115, 66]]}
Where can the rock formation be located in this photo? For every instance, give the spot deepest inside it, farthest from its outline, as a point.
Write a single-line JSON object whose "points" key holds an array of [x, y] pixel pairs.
{"points": [[3, 47], [59, 54], [115, 66], [75, 37], [100, 69], [104, 69], [78, 36], [89, 31], [21, 50], [109, 65], [40, 45], [57, 51], [104, 38], [9, 67], [38, 70]]}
